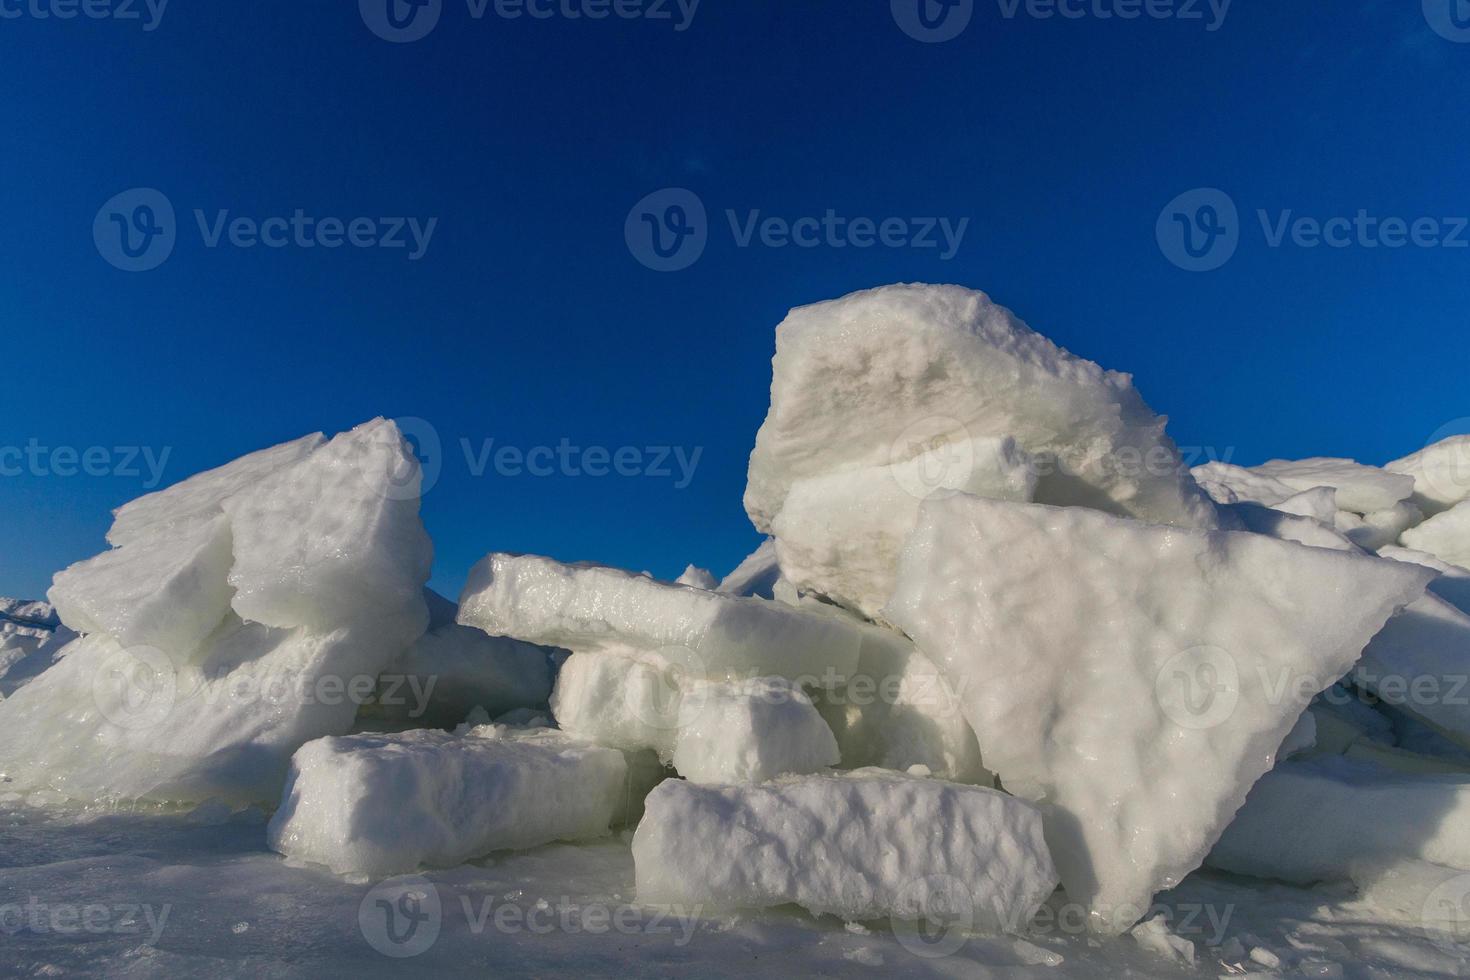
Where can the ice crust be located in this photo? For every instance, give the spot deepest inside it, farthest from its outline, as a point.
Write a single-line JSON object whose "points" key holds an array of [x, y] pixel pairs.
{"points": [[325, 549], [592, 608], [388, 804], [1360, 489], [1065, 630], [1319, 820], [862, 845]]}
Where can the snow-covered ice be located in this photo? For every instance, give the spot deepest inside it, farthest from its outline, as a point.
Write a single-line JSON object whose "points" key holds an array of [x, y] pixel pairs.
{"points": [[592, 608], [453, 669], [1453, 584], [1360, 489], [756, 575], [1441, 473], [860, 845], [387, 804], [628, 701], [749, 731], [1446, 536], [1137, 679]]}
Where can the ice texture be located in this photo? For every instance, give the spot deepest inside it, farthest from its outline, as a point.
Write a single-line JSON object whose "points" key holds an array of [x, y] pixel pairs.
{"points": [[592, 608], [840, 533], [1319, 503], [1383, 527], [457, 668], [1247, 486], [201, 495], [1360, 489], [335, 538], [699, 578], [332, 536], [1446, 536], [1453, 584], [1136, 679], [861, 845], [387, 804], [884, 375], [750, 731], [1441, 473], [1320, 819], [629, 701], [166, 588]]}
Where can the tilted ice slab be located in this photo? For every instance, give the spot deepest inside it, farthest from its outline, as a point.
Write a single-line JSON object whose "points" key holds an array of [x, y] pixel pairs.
{"points": [[1453, 584], [454, 669], [167, 587], [861, 845], [387, 804], [1441, 473], [1322, 819], [29, 612], [592, 608], [699, 578], [201, 495], [756, 575], [1383, 527], [1137, 679], [1246, 485], [881, 376], [1360, 489], [840, 533], [749, 731], [332, 541], [1446, 536]]}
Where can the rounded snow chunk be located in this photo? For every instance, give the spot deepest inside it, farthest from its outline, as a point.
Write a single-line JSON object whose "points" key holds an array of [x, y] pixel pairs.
{"points": [[860, 845], [335, 538]]}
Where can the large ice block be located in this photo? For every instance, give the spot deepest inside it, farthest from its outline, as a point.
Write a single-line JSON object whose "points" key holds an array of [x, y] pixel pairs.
{"points": [[750, 731], [1360, 489]]}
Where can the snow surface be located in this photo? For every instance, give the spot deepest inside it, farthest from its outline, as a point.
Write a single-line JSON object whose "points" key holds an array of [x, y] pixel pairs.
{"points": [[1077, 640], [387, 804], [859, 845], [1446, 536]]}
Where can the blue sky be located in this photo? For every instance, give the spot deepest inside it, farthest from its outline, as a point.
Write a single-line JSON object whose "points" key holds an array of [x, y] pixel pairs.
{"points": [[529, 320]]}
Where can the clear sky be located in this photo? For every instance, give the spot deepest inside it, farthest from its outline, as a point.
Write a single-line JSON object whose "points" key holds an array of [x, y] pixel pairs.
{"points": [[523, 315]]}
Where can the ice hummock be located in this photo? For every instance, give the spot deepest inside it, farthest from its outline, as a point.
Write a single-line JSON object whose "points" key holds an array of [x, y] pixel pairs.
{"points": [[1135, 678]]}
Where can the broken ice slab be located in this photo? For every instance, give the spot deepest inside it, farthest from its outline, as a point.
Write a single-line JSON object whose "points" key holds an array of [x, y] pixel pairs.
{"points": [[592, 608], [749, 731], [862, 845], [1136, 678], [386, 804]]}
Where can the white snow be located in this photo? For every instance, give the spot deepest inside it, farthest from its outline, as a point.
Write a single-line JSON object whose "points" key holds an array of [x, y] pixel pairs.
{"points": [[750, 731], [1136, 678], [839, 533], [1453, 584], [331, 540], [388, 804], [1320, 819], [1441, 473], [1319, 503], [860, 845], [884, 375], [1360, 489], [699, 578], [1446, 536], [626, 701], [1245, 485], [592, 608], [1383, 527]]}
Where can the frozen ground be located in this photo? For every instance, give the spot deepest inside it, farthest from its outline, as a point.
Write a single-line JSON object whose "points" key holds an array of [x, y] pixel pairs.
{"points": [[221, 904]]}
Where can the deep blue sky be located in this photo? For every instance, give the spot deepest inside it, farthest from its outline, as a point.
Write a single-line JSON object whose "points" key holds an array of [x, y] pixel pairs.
{"points": [[529, 321]]}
